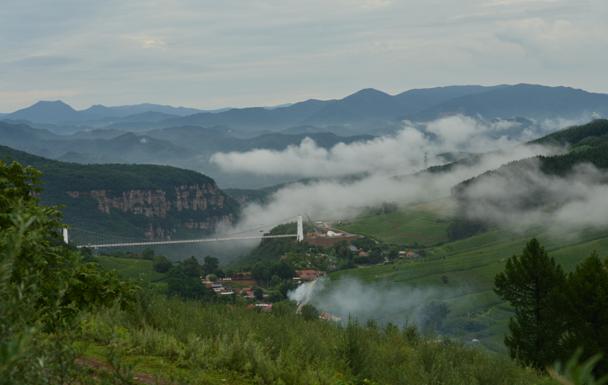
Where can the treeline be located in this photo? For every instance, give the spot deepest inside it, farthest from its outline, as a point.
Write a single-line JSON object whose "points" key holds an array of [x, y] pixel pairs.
{"points": [[556, 313]]}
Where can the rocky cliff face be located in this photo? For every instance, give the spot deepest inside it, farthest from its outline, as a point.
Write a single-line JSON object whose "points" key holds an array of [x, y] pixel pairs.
{"points": [[156, 203], [166, 213], [118, 202]]}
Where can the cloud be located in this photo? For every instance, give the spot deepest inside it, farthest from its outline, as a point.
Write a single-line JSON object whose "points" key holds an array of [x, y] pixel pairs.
{"points": [[339, 199], [354, 299], [402, 153], [521, 197]]}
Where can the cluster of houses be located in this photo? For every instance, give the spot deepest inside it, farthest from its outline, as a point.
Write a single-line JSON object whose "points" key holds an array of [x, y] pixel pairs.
{"points": [[307, 275], [323, 236], [218, 287]]}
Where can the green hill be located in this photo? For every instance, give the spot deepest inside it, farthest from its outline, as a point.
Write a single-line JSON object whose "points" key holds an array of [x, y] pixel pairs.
{"points": [[136, 201], [423, 225]]}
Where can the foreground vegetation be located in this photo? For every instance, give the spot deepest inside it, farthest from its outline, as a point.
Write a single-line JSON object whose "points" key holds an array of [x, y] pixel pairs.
{"points": [[65, 321], [170, 337]]}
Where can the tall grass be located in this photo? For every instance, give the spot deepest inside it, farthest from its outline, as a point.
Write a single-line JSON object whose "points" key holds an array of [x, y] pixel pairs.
{"points": [[283, 348]]}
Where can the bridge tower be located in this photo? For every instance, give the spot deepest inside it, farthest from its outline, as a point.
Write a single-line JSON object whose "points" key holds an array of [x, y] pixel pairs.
{"points": [[300, 233], [65, 235]]}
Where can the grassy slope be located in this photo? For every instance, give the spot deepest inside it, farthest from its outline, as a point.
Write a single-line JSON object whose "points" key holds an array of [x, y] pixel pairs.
{"points": [[405, 226], [133, 268], [470, 266]]}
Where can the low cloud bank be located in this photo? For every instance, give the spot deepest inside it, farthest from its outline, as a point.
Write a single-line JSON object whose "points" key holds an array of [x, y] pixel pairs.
{"points": [[331, 199], [409, 150], [351, 298], [523, 197], [568, 203]]}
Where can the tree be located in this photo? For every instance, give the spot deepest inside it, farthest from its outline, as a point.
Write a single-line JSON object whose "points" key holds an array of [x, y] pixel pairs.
{"points": [[532, 283], [191, 267], [183, 280], [148, 254], [210, 265], [161, 264], [258, 293], [587, 310]]}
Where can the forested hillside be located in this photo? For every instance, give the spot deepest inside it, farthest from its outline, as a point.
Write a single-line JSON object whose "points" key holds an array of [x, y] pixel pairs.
{"points": [[138, 201]]}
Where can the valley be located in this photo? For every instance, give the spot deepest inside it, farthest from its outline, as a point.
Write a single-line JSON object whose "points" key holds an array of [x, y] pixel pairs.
{"points": [[336, 192]]}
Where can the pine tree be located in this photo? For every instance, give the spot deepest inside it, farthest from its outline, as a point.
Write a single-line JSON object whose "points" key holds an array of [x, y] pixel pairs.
{"points": [[587, 310], [533, 283]]}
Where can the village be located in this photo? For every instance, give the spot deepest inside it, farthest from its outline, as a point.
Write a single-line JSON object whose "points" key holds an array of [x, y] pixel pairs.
{"points": [[327, 250]]}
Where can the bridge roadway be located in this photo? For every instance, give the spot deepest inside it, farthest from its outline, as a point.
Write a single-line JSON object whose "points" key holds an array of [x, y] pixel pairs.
{"points": [[185, 241]]}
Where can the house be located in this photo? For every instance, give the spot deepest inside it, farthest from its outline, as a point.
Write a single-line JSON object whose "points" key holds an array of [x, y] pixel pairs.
{"points": [[411, 254], [329, 317], [247, 293], [309, 274], [264, 306]]}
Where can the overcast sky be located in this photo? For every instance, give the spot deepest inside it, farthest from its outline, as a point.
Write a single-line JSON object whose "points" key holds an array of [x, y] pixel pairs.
{"points": [[217, 53]]}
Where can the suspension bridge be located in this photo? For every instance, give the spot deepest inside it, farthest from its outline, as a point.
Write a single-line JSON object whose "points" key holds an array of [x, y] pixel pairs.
{"points": [[98, 243]]}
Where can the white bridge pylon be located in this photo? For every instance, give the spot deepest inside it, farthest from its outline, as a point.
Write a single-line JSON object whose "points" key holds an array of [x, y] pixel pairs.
{"points": [[299, 235]]}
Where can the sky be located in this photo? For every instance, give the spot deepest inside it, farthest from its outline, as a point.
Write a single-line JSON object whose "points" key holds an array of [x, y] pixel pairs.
{"points": [[212, 54]]}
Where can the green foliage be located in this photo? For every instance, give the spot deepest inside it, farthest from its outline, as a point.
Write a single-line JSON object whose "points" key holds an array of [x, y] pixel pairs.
{"points": [[587, 311], [211, 266], [556, 315], [263, 271], [147, 254], [575, 372], [283, 348], [184, 281], [309, 312], [44, 286], [532, 283], [272, 249], [162, 264], [597, 131]]}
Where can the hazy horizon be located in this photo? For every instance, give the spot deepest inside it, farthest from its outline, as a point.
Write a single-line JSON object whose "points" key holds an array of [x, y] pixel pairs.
{"points": [[281, 104], [263, 52]]}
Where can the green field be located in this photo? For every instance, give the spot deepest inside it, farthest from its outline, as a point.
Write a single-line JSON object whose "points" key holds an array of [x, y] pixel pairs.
{"points": [[418, 224], [465, 270], [133, 268]]}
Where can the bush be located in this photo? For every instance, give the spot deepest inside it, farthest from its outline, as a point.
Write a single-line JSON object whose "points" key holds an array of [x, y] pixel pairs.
{"points": [[161, 264]]}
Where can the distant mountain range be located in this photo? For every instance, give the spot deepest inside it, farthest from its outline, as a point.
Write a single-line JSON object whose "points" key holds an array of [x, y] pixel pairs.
{"points": [[60, 112], [188, 146], [368, 111], [186, 137]]}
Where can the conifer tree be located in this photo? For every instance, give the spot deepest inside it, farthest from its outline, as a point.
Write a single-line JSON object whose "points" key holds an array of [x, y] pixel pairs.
{"points": [[533, 283], [587, 310]]}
